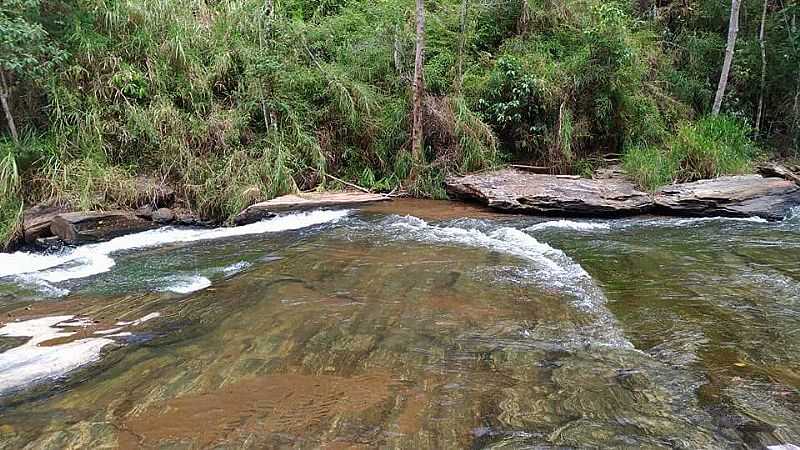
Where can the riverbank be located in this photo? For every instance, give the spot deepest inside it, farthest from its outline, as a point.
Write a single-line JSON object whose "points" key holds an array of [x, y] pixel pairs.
{"points": [[770, 195]]}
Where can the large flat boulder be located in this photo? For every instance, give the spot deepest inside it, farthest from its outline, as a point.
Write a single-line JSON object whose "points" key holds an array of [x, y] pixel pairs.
{"points": [[311, 200], [83, 227], [737, 196], [520, 191]]}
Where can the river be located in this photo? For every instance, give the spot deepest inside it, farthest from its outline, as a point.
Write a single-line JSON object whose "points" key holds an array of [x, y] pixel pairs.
{"points": [[413, 324]]}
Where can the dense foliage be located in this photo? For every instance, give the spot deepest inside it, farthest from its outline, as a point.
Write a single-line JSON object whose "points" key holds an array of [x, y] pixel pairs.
{"points": [[234, 101]]}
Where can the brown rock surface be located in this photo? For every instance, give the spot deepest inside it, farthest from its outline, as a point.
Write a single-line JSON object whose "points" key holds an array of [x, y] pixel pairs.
{"points": [[75, 228]]}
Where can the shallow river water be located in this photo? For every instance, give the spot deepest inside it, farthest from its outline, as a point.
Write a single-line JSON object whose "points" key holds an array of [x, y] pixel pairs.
{"points": [[408, 325]]}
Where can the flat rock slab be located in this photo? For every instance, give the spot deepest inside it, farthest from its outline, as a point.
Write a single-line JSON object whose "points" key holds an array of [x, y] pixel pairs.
{"points": [[510, 190], [305, 201], [83, 227], [737, 196], [519, 191]]}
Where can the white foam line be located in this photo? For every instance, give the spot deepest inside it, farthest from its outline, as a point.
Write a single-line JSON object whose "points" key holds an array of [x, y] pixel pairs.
{"points": [[570, 225], [92, 259]]}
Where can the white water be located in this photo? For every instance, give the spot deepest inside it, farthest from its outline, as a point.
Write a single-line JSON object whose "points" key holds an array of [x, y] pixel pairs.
{"points": [[186, 285], [93, 259], [31, 363]]}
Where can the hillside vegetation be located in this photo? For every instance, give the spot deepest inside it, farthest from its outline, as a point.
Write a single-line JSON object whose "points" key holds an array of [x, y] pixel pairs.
{"points": [[235, 101]]}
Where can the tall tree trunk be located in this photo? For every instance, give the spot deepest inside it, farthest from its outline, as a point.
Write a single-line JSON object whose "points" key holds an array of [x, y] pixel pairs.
{"points": [[462, 43], [763, 44], [419, 86], [4, 93], [733, 29]]}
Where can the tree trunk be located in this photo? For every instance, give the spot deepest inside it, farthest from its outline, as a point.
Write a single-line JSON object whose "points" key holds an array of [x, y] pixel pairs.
{"points": [[4, 93], [733, 29], [763, 44], [419, 87], [462, 43]]}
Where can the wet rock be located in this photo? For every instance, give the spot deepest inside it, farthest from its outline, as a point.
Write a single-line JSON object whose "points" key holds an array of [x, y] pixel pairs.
{"points": [[36, 220], [735, 196], [519, 191], [304, 201], [163, 215], [75, 228]]}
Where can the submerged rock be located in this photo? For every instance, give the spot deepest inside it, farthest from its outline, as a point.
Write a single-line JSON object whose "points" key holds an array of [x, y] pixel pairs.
{"points": [[76, 228], [737, 196], [519, 191], [308, 200]]}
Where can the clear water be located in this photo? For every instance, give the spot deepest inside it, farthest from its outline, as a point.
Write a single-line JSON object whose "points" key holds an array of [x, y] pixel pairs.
{"points": [[408, 325]]}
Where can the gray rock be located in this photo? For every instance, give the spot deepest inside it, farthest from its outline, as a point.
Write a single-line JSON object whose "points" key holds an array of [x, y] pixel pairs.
{"points": [[532, 193], [77, 228], [163, 215], [736, 196]]}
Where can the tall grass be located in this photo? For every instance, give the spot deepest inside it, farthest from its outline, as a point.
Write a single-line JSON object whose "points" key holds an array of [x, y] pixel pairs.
{"points": [[708, 148], [10, 202]]}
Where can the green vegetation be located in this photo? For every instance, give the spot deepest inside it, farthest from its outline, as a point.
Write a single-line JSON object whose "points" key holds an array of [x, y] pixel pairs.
{"points": [[237, 101], [710, 147]]}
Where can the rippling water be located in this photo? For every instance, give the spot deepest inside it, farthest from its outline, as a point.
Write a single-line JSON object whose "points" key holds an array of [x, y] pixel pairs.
{"points": [[408, 325]]}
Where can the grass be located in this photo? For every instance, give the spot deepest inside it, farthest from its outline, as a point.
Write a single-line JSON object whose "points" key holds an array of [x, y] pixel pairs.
{"points": [[708, 148]]}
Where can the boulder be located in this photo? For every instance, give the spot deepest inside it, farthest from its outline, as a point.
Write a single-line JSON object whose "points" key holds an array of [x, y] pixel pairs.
{"points": [[736, 196], [77, 228], [305, 201], [521, 191], [163, 215], [36, 221]]}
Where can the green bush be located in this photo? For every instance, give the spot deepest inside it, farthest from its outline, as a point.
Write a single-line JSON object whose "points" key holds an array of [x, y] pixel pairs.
{"points": [[708, 148]]}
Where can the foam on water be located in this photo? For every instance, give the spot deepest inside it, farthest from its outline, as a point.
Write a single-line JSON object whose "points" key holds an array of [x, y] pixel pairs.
{"points": [[187, 285], [235, 268], [31, 363], [570, 225], [93, 259]]}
